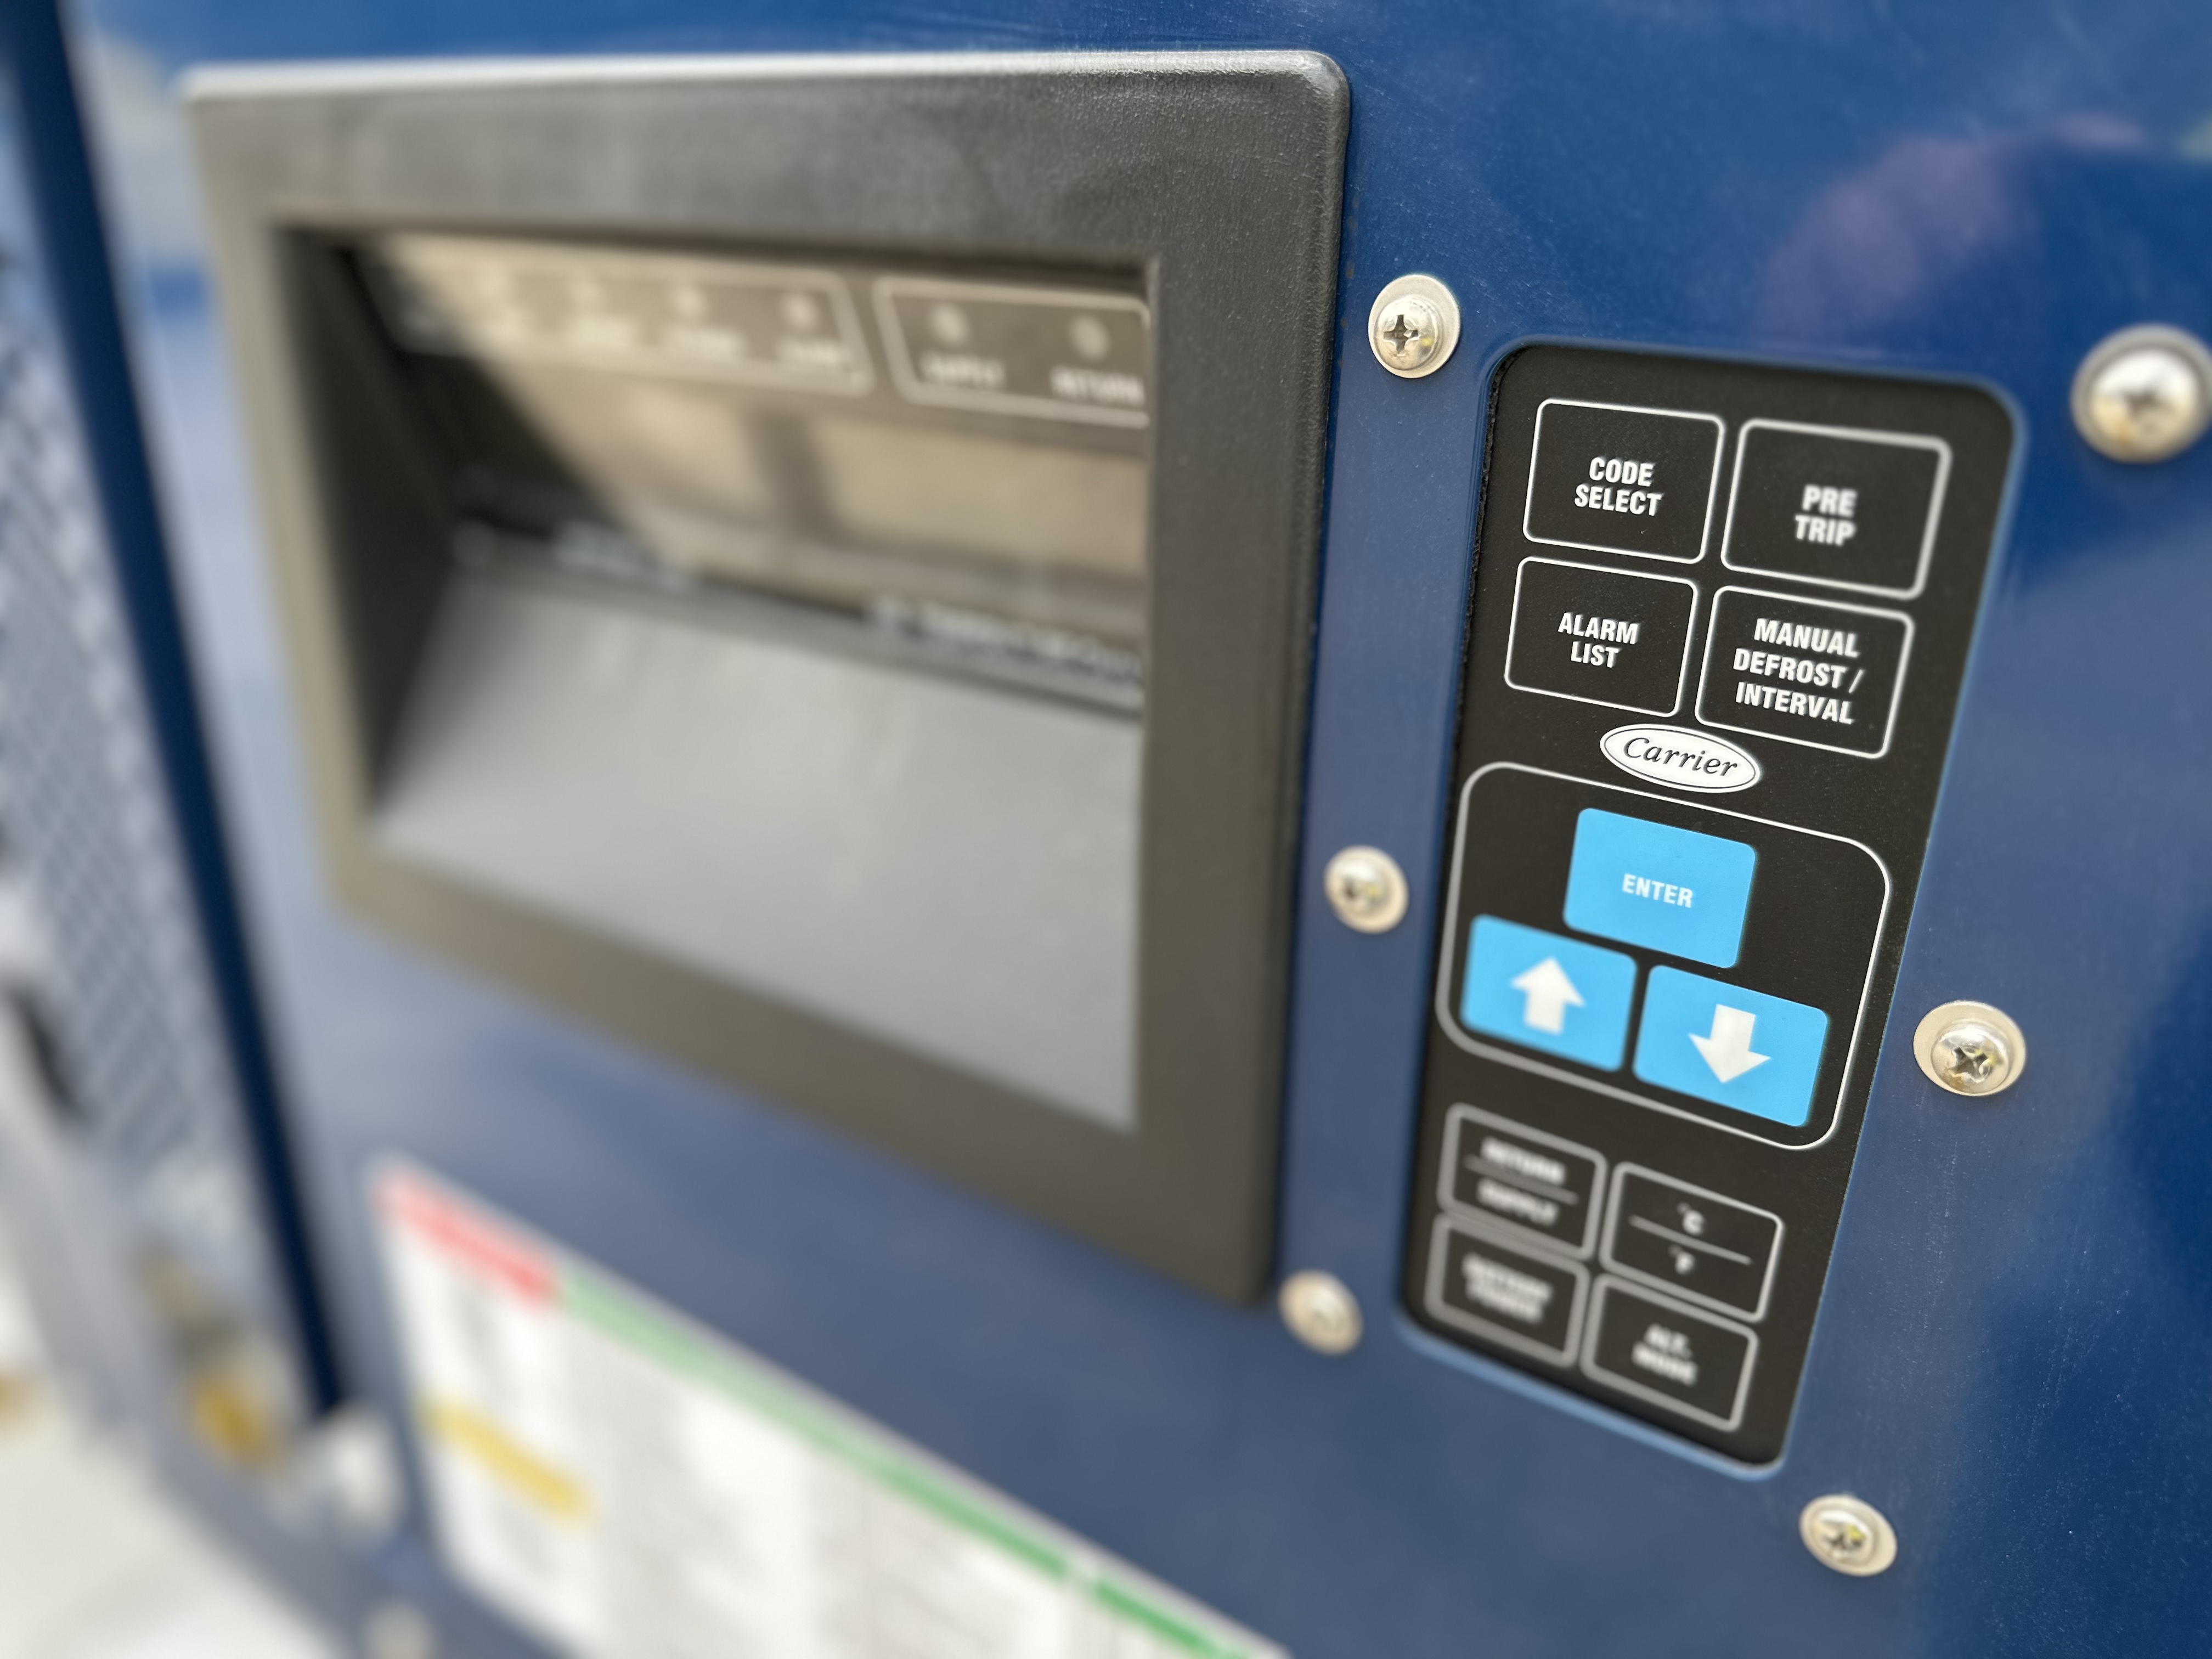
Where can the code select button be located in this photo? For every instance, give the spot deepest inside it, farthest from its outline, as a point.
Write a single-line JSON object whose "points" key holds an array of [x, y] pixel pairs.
{"points": [[1611, 637]]}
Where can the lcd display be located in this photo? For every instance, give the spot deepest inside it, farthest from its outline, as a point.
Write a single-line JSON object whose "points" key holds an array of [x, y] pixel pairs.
{"points": [[960, 467]]}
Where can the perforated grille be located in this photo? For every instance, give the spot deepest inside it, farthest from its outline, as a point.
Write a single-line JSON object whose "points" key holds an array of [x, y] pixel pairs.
{"points": [[125, 987]]}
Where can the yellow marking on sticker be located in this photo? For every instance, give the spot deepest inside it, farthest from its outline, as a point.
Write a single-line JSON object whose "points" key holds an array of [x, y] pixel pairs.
{"points": [[529, 1476]]}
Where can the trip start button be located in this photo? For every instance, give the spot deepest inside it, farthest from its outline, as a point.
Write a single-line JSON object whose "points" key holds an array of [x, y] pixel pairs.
{"points": [[1623, 480], [1841, 508]]}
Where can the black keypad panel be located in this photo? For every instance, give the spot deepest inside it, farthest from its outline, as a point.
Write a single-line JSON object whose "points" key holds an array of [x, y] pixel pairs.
{"points": [[1721, 613]]}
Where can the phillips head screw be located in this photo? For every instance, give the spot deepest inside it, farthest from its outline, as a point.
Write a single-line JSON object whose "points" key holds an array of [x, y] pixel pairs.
{"points": [[1969, 1048], [2144, 394]]}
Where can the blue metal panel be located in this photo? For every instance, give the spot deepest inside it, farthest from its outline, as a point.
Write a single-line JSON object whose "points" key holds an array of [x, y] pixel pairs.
{"points": [[2011, 1357]]}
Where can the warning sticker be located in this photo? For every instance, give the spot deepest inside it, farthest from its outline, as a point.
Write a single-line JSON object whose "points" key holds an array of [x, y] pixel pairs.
{"points": [[619, 1480]]}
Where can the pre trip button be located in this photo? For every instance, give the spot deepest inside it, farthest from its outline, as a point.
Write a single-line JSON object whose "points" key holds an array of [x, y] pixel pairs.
{"points": [[1605, 636], [1660, 1350], [1623, 480], [1529, 1302], [1642, 883], [1522, 1178], [1804, 671], [1697, 1244], [1841, 508]]}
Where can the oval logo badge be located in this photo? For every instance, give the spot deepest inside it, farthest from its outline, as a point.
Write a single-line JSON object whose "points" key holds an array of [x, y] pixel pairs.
{"points": [[1680, 758]]}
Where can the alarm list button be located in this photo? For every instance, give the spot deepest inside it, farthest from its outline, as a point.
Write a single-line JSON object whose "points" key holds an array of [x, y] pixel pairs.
{"points": [[1840, 507], [1617, 638], [1623, 480]]}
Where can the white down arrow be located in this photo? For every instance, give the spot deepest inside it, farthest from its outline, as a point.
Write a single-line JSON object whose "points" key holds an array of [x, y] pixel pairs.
{"points": [[1727, 1050]]}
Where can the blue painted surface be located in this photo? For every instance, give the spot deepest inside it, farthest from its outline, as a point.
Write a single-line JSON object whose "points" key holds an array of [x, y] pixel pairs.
{"points": [[2012, 1356], [1650, 883]]}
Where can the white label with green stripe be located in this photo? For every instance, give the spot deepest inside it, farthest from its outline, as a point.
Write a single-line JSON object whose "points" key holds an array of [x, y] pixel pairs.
{"points": [[620, 1480]]}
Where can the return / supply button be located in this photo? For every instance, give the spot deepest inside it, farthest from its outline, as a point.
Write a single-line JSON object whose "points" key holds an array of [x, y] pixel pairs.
{"points": [[1648, 884]]}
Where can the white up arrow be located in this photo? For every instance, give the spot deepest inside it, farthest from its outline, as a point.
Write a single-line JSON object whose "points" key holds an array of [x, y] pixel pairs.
{"points": [[1550, 994], [1727, 1050]]}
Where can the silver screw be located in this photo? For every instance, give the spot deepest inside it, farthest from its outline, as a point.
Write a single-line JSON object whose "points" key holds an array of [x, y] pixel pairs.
{"points": [[1970, 1047], [1321, 1311], [399, 1630], [2145, 393], [1366, 889], [1848, 1533], [1414, 325]]}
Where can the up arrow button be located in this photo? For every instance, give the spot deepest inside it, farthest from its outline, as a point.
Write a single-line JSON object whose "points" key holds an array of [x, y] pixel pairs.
{"points": [[1696, 1039], [1550, 993]]}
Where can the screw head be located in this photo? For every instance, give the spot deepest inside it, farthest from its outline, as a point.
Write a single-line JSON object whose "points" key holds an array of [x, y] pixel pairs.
{"points": [[1848, 1533], [1413, 327], [1969, 1048], [1321, 1311], [2144, 394], [1366, 889]]}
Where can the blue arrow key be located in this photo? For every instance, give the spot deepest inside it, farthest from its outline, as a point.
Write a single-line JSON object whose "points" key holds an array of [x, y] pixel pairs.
{"points": [[1545, 991]]}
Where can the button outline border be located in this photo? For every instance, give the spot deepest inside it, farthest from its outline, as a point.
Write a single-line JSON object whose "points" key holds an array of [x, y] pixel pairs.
{"points": [[1896, 696], [1689, 635], [1453, 1207], [1860, 434], [1529, 1063], [1713, 488], [1607, 1260], [1588, 1367], [1433, 1303]]}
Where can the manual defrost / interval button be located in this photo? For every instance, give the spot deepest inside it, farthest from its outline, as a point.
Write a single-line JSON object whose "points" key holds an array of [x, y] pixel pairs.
{"points": [[1696, 1244], [1531, 1303], [1613, 637], [1619, 479], [1520, 1178], [1832, 505], [1662, 1351], [1738, 1048], [1804, 671], [1545, 991], [1648, 884]]}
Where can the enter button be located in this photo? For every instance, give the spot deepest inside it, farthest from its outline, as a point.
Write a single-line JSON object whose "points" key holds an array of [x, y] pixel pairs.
{"points": [[1648, 884]]}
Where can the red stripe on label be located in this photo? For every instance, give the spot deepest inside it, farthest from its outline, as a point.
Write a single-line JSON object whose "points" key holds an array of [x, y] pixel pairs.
{"points": [[461, 1232]]}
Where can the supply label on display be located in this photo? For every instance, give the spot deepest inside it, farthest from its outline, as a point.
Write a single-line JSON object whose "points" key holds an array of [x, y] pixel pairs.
{"points": [[618, 1480]]}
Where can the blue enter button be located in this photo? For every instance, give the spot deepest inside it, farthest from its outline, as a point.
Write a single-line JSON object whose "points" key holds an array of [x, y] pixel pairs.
{"points": [[1650, 883]]}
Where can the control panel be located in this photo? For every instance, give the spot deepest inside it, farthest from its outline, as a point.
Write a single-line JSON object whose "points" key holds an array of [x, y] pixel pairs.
{"points": [[1720, 616]]}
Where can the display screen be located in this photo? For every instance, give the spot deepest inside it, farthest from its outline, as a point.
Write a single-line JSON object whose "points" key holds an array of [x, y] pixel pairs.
{"points": [[958, 468]]}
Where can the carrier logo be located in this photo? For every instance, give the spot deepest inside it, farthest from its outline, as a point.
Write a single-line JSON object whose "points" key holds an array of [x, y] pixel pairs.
{"points": [[1681, 759]]}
